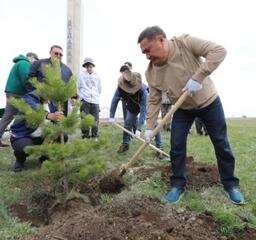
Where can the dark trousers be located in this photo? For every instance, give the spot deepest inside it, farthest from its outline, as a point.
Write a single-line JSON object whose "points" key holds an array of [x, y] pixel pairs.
{"points": [[214, 120], [129, 122], [93, 109], [7, 117], [19, 145]]}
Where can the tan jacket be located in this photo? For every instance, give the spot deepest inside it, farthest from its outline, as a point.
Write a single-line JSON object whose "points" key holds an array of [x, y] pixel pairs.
{"points": [[184, 62]]}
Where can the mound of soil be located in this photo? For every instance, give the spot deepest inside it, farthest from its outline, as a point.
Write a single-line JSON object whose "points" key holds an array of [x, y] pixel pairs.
{"points": [[36, 209], [134, 219], [22, 212], [199, 175]]}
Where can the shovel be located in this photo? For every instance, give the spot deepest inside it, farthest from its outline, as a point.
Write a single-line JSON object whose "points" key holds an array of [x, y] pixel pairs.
{"points": [[141, 139], [134, 158]]}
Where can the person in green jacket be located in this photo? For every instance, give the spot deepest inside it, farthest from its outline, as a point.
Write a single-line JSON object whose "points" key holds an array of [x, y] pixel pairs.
{"points": [[15, 87]]}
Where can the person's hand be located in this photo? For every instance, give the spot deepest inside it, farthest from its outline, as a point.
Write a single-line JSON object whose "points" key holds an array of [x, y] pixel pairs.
{"points": [[192, 86], [73, 101], [111, 120], [56, 116], [137, 133], [37, 133], [148, 135]]}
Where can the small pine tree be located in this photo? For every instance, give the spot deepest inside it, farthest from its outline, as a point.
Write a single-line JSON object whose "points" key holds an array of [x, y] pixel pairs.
{"points": [[54, 89]]}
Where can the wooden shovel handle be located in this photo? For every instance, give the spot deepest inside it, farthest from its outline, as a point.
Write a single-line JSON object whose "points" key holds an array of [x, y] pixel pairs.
{"points": [[155, 131], [141, 139]]}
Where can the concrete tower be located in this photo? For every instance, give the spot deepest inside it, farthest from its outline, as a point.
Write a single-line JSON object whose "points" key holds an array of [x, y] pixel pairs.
{"points": [[74, 34]]}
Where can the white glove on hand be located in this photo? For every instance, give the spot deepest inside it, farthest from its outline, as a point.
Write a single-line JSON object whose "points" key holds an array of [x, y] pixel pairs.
{"points": [[111, 120], [137, 133], [148, 135], [192, 86], [37, 133]]}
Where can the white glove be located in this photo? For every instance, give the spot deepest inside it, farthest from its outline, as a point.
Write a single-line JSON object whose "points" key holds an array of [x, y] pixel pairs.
{"points": [[192, 86], [111, 120], [138, 133], [148, 135], [37, 132]]}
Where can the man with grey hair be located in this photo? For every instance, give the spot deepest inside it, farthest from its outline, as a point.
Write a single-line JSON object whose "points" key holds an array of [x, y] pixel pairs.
{"points": [[184, 64], [15, 87], [37, 70]]}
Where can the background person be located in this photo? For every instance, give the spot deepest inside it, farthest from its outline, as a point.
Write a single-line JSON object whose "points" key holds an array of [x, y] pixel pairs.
{"points": [[37, 70], [165, 108], [15, 87], [89, 90], [22, 134], [200, 127], [130, 91]]}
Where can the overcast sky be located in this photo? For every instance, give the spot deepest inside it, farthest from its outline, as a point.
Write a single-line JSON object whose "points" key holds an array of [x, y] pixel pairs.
{"points": [[111, 29]]}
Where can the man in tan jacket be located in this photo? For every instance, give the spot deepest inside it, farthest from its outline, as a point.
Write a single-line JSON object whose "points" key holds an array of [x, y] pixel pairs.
{"points": [[184, 64]]}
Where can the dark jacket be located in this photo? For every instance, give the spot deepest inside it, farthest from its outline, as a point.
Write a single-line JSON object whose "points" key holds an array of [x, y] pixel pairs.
{"points": [[134, 102], [19, 128], [37, 70], [18, 76]]}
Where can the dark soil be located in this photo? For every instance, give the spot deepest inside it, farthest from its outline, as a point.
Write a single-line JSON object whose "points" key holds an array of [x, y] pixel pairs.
{"points": [[22, 212], [37, 209], [199, 175], [112, 183], [134, 218]]}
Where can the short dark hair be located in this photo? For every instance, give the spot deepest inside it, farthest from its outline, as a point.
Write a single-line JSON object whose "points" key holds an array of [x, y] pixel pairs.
{"points": [[151, 33], [128, 64], [55, 46], [124, 68], [33, 55]]}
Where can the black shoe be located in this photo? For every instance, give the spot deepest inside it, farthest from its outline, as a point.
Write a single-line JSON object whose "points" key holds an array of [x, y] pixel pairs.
{"points": [[86, 136], [160, 155], [123, 148], [18, 166], [42, 159], [3, 144]]}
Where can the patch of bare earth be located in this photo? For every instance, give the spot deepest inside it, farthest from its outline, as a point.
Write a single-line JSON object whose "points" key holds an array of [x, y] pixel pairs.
{"points": [[199, 175], [137, 218]]}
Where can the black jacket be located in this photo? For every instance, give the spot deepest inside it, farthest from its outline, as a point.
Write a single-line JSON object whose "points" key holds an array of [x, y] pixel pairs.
{"points": [[37, 70]]}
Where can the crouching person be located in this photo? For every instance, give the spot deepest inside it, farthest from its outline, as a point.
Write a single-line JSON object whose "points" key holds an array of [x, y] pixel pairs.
{"points": [[23, 135]]}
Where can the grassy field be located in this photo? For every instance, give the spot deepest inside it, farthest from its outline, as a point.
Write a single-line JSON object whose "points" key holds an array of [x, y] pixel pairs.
{"points": [[242, 135]]}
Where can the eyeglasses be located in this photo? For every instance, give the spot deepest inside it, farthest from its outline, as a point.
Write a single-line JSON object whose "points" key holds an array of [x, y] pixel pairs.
{"points": [[58, 54]]}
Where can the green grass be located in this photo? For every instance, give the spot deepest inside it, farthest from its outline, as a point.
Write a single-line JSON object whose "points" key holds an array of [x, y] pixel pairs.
{"points": [[242, 136]]}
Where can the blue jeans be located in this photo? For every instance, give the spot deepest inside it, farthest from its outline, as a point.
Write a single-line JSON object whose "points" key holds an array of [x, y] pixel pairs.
{"points": [[129, 123], [213, 118]]}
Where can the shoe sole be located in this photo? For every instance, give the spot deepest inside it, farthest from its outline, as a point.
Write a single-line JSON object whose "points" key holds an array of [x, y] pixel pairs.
{"points": [[236, 203], [239, 204]]}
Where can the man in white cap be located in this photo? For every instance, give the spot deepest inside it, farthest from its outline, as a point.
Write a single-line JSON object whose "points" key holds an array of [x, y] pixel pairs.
{"points": [[89, 89]]}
